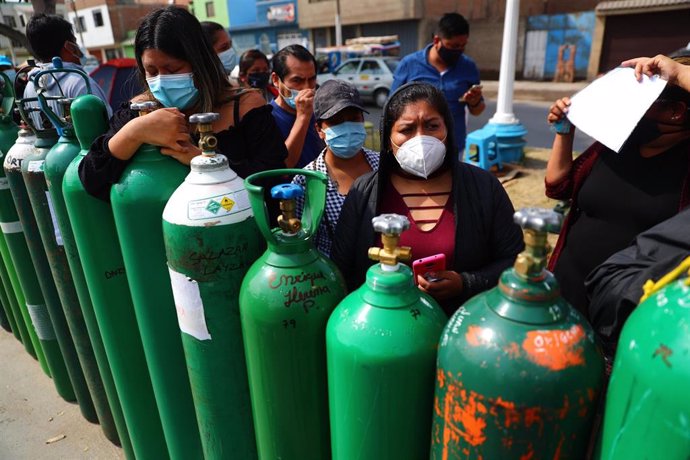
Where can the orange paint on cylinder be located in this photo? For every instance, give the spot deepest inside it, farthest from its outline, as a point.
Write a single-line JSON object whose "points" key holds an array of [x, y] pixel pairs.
{"points": [[555, 350], [473, 335]]}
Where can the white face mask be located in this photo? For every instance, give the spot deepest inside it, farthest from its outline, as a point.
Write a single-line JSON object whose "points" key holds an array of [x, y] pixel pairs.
{"points": [[421, 155]]}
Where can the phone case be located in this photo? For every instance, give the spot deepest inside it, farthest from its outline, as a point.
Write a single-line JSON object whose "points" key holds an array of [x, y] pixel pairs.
{"points": [[433, 263]]}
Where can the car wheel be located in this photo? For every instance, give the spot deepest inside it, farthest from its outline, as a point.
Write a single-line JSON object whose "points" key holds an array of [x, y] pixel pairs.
{"points": [[380, 97]]}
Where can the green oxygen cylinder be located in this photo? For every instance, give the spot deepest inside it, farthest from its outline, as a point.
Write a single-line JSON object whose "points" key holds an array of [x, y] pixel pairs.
{"points": [[101, 258], [138, 200], [44, 240], [211, 239], [29, 296], [519, 371], [647, 407], [381, 343], [4, 309], [285, 301], [8, 275], [42, 302], [55, 229]]}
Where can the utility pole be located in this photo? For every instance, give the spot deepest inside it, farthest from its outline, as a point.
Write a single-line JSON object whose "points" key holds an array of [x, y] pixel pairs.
{"points": [[78, 24], [504, 124], [338, 25]]}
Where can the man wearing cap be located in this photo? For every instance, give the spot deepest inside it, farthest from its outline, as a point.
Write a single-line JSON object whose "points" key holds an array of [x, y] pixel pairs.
{"points": [[340, 123]]}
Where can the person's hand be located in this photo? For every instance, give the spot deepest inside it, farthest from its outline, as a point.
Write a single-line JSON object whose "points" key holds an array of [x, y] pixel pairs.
{"points": [[183, 155], [449, 284], [304, 103], [657, 65], [558, 110], [166, 128], [473, 96]]}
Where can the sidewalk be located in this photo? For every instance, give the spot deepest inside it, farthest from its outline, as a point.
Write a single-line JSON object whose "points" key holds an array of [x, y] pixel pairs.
{"points": [[31, 412], [544, 91]]}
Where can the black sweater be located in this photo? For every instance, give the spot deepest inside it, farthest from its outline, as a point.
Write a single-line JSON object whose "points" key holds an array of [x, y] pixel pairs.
{"points": [[615, 287], [252, 145], [486, 238]]}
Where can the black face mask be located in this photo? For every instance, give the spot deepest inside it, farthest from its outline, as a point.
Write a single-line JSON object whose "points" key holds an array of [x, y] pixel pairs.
{"points": [[258, 79], [449, 56], [645, 132]]}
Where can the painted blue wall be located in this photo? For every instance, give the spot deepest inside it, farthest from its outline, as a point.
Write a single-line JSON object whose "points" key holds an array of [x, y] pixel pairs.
{"points": [[251, 27], [573, 29]]}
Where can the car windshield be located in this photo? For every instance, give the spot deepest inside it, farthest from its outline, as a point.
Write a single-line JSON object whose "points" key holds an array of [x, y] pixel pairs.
{"points": [[392, 64]]}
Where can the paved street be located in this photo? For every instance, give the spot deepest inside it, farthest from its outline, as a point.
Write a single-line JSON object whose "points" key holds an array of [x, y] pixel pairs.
{"points": [[531, 114]]}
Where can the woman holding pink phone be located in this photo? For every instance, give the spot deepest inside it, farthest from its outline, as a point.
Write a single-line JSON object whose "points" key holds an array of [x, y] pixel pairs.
{"points": [[455, 209]]}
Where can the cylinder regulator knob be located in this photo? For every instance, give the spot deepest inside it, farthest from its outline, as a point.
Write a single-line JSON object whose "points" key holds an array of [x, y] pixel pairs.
{"points": [[287, 194], [204, 122], [391, 227], [57, 62], [536, 223], [144, 108]]}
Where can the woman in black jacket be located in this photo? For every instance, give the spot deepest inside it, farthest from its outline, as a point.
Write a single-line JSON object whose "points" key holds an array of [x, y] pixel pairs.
{"points": [[183, 73], [454, 208]]}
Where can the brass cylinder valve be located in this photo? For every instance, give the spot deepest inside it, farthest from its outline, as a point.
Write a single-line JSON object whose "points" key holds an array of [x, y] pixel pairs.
{"points": [[207, 140], [287, 194], [536, 223], [391, 227]]}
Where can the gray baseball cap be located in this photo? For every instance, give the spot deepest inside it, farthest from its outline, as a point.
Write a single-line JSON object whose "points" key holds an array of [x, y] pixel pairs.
{"points": [[334, 96]]}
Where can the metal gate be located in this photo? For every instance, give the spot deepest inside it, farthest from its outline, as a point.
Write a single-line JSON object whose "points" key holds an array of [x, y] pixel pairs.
{"points": [[535, 54]]}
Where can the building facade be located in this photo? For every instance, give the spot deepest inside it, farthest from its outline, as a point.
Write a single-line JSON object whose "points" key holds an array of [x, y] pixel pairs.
{"points": [[414, 21], [105, 27], [265, 25]]}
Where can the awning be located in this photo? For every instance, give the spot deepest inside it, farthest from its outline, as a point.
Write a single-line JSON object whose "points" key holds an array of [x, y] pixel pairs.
{"points": [[639, 6]]}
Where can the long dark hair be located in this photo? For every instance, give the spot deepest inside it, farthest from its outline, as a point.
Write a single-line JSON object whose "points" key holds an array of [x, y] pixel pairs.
{"points": [[394, 108], [177, 33]]}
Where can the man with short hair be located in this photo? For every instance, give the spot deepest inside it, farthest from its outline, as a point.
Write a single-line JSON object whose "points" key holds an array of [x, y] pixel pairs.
{"points": [[294, 74], [50, 36], [444, 64]]}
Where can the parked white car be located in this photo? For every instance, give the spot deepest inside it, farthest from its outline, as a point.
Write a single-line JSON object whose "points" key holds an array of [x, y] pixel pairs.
{"points": [[372, 76]]}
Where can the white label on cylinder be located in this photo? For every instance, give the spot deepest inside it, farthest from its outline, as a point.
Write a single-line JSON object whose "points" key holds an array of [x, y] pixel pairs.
{"points": [[35, 165], [58, 235], [218, 206], [189, 306]]}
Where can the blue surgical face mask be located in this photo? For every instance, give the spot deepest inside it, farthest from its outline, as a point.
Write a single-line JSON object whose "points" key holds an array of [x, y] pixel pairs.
{"points": [[229, 59], [346, 139], [290, 100], [175, 90]]}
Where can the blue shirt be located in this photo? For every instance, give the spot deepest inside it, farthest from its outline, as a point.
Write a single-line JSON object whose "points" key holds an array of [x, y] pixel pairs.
{"points": [[313, 145], [454, 82]]}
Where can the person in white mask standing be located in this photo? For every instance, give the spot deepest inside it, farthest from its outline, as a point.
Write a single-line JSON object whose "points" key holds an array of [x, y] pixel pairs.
{"points": [[221, 42], [455, 209]]}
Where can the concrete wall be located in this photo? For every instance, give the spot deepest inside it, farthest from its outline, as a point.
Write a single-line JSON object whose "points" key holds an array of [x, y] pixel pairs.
{"points": [[221, 15], [93, 36], [316, 14]]}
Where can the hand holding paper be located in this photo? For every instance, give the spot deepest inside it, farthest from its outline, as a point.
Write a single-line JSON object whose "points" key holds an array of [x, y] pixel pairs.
{"points": [[609, 109]]}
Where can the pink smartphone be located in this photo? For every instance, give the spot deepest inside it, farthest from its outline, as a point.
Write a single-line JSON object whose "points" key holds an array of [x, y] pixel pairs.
{"points": [[425, 265]]}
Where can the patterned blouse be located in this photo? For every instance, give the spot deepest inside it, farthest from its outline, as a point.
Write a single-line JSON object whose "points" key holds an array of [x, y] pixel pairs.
{"points": [[334, 200]]}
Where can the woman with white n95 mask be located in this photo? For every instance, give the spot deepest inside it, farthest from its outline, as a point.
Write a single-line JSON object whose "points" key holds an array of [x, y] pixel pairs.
{"points": [[454, 208], [340, 123]]}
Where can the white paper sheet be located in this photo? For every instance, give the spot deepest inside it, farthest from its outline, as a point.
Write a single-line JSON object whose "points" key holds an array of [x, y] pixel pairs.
{"points": [[611, 106], [190, 308]]}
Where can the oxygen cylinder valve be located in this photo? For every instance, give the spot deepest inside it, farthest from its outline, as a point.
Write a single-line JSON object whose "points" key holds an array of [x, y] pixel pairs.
{"points": [[287, 193], [207, 141], [536, 223], [144, 108], [390, 226]]}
